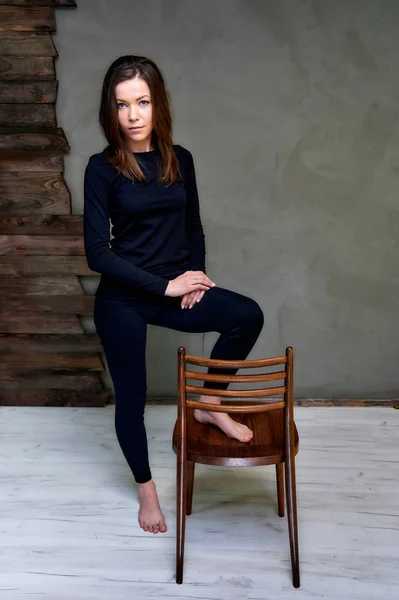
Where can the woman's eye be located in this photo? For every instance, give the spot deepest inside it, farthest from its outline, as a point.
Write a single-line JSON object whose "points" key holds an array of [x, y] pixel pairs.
{"points": [[121, 104], [145, 102]]}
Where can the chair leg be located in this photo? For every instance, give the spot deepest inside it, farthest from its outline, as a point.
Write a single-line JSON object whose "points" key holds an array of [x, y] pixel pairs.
{"points": [[190, 486], [290, 489], [181, 497], [280, 488]]}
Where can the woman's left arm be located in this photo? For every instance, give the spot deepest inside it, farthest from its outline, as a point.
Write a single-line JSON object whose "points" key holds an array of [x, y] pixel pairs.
{"points": [[195, 232]]}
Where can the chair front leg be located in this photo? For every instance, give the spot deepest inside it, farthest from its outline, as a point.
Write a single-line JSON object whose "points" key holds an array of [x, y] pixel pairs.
{"points": [[280, 488], [190, 486]]}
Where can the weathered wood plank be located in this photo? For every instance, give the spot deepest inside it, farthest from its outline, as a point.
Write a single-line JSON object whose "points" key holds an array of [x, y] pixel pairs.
{"points": [[38, 161], [27, 44], [27, 115], [25, 343], [32, 285], [48, 362], [69, 3], [54, 397], [27, 67], [25, 265], [35, 323], [37, 19], [42, 225], [41, 138], [34, 193], [41, 245], [55, 304], [31, 92], [39, 380]]}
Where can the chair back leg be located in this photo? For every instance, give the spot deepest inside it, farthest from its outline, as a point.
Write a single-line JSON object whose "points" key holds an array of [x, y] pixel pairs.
{"points": [[290, 488], [181, 502]]}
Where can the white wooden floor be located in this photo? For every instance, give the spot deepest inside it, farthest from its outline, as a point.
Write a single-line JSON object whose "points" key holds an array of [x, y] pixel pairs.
{"points": [[68, 512]]}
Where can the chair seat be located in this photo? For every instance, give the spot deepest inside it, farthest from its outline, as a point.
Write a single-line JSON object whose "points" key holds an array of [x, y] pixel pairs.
{"points": [[208, 445]]}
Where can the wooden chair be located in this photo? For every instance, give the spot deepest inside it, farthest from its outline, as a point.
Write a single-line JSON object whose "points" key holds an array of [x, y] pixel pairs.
{"points": [[275, 439]]}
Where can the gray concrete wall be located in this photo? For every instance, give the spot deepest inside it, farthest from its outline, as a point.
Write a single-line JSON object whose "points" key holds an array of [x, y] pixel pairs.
{"points": [[290, 108]]}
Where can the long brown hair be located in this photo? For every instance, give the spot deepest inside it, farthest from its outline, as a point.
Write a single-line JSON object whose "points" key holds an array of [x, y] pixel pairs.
{"points": [[119, 154]]}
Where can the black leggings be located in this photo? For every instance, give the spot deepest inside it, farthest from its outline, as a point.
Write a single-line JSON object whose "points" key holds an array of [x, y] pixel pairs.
{"points": [[121, 324]]}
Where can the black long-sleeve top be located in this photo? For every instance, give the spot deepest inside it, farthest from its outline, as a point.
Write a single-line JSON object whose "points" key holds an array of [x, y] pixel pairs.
{"points": [[156, 228]]}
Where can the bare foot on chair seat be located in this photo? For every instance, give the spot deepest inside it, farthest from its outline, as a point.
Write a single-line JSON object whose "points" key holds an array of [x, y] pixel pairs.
{"points": [[231, 428], [151, 518]]}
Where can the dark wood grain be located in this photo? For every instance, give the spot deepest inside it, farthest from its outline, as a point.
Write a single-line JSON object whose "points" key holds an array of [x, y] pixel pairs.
{"points": [[48, 362], [39, 161], [22, 343], [68, 3], [27, 18], [42, 225], [27, 115], [55, 304], [47, 323], [31, 92], [26, 44], [40, 138], [25, 265], [27, 67], [54, 397], [21, 379], [34, 193], [41, 245], [51, 285]]}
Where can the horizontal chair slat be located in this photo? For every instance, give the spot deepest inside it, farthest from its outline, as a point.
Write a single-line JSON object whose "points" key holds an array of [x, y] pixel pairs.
{"points": [[235, 364], [276, 391], [250, 408], [235, 378]]}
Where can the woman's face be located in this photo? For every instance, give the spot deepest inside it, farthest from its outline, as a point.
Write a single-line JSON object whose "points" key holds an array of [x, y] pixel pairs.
{"points": [[133, 100]]}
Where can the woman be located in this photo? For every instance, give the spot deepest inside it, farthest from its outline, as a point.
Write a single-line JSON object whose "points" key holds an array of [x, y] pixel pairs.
{"points": [[153, 269]]}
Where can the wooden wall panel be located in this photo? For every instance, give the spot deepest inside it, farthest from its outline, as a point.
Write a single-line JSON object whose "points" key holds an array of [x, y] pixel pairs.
{"points": [[27, 115], [40, 323], [26, 67], [34, 193], [55, 304], [32, 285], [54, 398], [31, 160], [27, 18], [47, 358], [28, 265], [41, 245], [41, 138], [53, 343], [60, 3], [26, 44], [42, 225], [32, 92]]}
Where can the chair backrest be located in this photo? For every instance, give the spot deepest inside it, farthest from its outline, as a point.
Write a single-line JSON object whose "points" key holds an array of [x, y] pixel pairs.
{"points": [[285, 388]]}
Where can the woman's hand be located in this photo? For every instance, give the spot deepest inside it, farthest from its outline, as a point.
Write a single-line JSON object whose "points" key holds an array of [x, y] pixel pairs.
{"points": [[190, 281], [190, 299]]}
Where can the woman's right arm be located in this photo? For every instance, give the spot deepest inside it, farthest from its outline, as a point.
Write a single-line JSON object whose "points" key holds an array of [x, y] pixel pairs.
{"points": [[96, 231]]}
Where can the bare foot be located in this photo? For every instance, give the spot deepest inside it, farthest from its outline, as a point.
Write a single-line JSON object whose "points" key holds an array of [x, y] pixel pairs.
{"points": [[231, 428], [150, 515]]}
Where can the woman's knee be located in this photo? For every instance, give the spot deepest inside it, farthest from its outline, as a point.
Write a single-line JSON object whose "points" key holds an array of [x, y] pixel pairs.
{"points": [[254, 314]]}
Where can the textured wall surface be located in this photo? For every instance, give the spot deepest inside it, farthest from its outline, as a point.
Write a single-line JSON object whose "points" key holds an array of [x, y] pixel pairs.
{"points": [[290, 109]]}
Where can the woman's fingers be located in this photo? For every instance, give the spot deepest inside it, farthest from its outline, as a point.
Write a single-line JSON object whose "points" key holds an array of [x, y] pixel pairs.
{"points": [[189, 300]]}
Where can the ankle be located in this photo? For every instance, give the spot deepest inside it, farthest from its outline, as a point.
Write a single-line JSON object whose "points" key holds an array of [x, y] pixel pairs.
{"points": [[146, 488], [210, 399]]}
